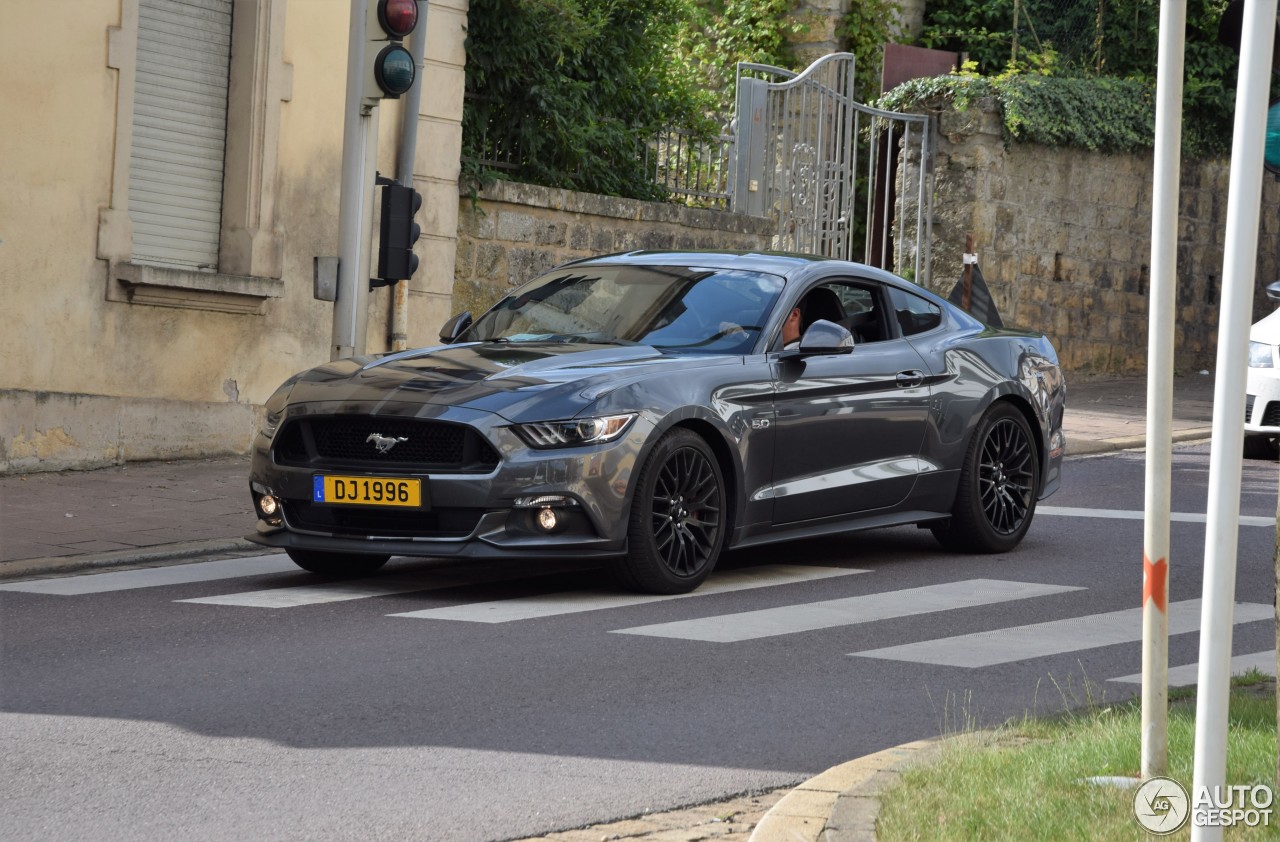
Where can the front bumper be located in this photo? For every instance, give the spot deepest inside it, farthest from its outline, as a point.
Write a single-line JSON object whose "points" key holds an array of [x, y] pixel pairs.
{"points": [[1262, 402], [467, 515]]}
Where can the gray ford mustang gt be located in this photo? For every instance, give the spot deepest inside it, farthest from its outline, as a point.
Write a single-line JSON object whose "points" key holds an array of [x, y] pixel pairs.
{"points": [[653, 409]]}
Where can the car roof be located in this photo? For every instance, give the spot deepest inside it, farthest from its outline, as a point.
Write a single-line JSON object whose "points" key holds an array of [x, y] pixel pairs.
{"points": [[785, 264], [775, 262]]}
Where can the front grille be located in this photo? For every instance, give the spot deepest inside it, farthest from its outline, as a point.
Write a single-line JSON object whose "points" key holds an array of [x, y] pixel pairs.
{"points": [[1271, 415], [390, 523], [1248, 408], [350, 441]]}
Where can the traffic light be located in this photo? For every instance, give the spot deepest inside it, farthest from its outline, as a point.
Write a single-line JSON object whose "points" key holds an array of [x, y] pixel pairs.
{"points": [[397, 234], [1229, 31], [389, 70]]}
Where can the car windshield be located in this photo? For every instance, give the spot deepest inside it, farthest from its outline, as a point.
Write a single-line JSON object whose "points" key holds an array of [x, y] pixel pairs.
{"points": [[674, 308]]}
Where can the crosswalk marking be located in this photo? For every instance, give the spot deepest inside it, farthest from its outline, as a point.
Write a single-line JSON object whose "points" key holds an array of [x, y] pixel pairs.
{"points": [[1129, 514], [550, 605], [382, 585], [154, 577], [1018, 643], [791, 619], [1188, 674]]}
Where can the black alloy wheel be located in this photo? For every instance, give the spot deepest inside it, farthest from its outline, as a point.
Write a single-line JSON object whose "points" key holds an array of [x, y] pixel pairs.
{"points": [[996, 497], [677, 518], [346, 565]]}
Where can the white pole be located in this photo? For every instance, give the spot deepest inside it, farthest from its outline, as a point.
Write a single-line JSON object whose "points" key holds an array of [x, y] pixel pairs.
{"points": [[1164, 278], [1244, 208], [350, 309]]}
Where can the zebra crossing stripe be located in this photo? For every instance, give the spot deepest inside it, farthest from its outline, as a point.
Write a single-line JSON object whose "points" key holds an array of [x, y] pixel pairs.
{"points": [[1188, 674], [154, 577], [551, 605], [1129, 514], [811, 616], [383, 585], [1002, 646]]}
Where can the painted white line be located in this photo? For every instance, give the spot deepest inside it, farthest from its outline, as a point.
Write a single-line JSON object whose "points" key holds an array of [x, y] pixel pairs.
{"points": [[1188, 674], [154, 577], [1128, 514], [377, 585], [551, 605], [792, 619], [1002, 646]]}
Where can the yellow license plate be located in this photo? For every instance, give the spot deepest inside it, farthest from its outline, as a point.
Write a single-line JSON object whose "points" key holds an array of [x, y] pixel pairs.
{"points": [[367, 491]]}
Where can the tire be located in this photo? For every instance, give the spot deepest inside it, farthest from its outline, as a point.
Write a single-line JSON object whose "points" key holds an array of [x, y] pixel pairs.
{"points": [[678, 516], [337, 564], [1261, 447], [996, 496]]}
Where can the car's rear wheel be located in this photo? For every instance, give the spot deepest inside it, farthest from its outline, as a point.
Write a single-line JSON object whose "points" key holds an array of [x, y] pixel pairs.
{"points": [[996, 497], [677, 523], [337, 564]]}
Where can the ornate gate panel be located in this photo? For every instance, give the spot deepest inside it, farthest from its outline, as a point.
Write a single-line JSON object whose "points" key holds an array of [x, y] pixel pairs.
{"points": [[800, 140]]}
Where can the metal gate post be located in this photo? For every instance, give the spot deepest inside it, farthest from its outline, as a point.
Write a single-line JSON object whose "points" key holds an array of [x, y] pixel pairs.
{"points": [[749, 146]]}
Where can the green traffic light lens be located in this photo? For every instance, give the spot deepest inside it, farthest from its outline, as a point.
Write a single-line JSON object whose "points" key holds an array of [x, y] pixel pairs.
{"points": [[1271, 152], [394, 70]]}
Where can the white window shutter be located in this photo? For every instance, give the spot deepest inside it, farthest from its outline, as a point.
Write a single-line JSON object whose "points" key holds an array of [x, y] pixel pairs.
{"points": [[179, 131]]}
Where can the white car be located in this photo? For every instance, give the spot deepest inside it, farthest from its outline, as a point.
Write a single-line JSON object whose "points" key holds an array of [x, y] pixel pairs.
{"points": [[1262, 401]]}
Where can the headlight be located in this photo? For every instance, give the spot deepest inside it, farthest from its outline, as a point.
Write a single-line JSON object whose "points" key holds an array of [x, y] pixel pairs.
{"points": [[576, 431], [273, 409], [1260, 355], [271, 422]]}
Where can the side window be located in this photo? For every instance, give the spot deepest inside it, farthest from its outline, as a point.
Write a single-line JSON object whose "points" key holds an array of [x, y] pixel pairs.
{"points": [[863, 315], [915, 314]]}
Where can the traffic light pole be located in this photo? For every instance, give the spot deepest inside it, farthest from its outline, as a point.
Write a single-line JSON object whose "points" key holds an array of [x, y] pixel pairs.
{"points": [[1240, 263], [350, 309], [409, 118]]}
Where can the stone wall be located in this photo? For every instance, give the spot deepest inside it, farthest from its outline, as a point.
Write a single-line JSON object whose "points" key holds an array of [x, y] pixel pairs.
{"points": [[1063, 238], [513, 232]]}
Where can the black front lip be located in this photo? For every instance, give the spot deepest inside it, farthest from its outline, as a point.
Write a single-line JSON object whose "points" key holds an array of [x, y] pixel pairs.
{"points": [[488, 546]]}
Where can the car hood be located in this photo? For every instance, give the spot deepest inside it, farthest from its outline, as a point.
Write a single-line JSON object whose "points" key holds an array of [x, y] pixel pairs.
{"points": [[520, 381], [1266, 330]]}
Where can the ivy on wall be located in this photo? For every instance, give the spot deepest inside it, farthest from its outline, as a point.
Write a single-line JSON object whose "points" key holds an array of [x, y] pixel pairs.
{"points": [[1100, 69], [1107, 115]]}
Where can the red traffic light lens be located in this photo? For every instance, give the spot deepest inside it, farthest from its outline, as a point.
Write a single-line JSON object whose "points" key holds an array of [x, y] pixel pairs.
{"points": [[398, 17]]}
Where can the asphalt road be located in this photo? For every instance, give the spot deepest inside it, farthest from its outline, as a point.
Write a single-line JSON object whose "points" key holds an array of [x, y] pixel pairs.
{"points": [[519, 701]]}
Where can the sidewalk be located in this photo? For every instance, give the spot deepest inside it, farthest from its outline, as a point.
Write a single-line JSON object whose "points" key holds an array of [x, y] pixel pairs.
{"points": [[154, 513]]}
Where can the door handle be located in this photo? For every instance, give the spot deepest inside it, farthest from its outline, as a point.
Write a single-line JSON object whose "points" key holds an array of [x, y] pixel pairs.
{"points": [[909, 379]]}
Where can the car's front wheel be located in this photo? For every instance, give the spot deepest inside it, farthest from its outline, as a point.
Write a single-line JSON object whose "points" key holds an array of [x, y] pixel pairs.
{"points": [[1261, 447], [677, 519], [337, 564], [996, 496]]}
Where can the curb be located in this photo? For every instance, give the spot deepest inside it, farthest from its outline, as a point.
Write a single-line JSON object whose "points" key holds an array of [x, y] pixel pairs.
{"points": [[1086, 447], [843, 801], [182, 553]]}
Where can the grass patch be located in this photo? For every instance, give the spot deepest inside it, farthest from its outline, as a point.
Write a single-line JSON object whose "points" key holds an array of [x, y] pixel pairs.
{"points": [[1026, 779]]}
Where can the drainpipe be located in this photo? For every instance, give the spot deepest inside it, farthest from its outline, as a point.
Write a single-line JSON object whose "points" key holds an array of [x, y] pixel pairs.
{"points": [[410, 110]]}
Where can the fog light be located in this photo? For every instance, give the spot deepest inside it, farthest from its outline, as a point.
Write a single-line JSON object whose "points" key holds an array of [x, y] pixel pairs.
{"points": [[268, 505], [547, 519]]}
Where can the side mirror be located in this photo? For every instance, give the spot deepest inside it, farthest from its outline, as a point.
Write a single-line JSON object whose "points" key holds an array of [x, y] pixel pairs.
{"points": [[455, 327], [1273, 291], [824, 337]]}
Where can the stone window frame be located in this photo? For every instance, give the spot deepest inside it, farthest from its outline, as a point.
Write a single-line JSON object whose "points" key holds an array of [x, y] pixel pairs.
{"points": [[251, 244]]}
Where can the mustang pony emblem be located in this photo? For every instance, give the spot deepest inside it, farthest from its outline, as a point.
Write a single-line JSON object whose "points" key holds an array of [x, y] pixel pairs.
{"points": [[384, 443]]}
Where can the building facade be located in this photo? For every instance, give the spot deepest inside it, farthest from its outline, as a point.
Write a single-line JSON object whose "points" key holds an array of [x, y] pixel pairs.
{"points": [[171, 172]]}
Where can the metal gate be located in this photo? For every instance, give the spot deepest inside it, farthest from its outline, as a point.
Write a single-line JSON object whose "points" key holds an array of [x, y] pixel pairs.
{"points": [[800, 141]]}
